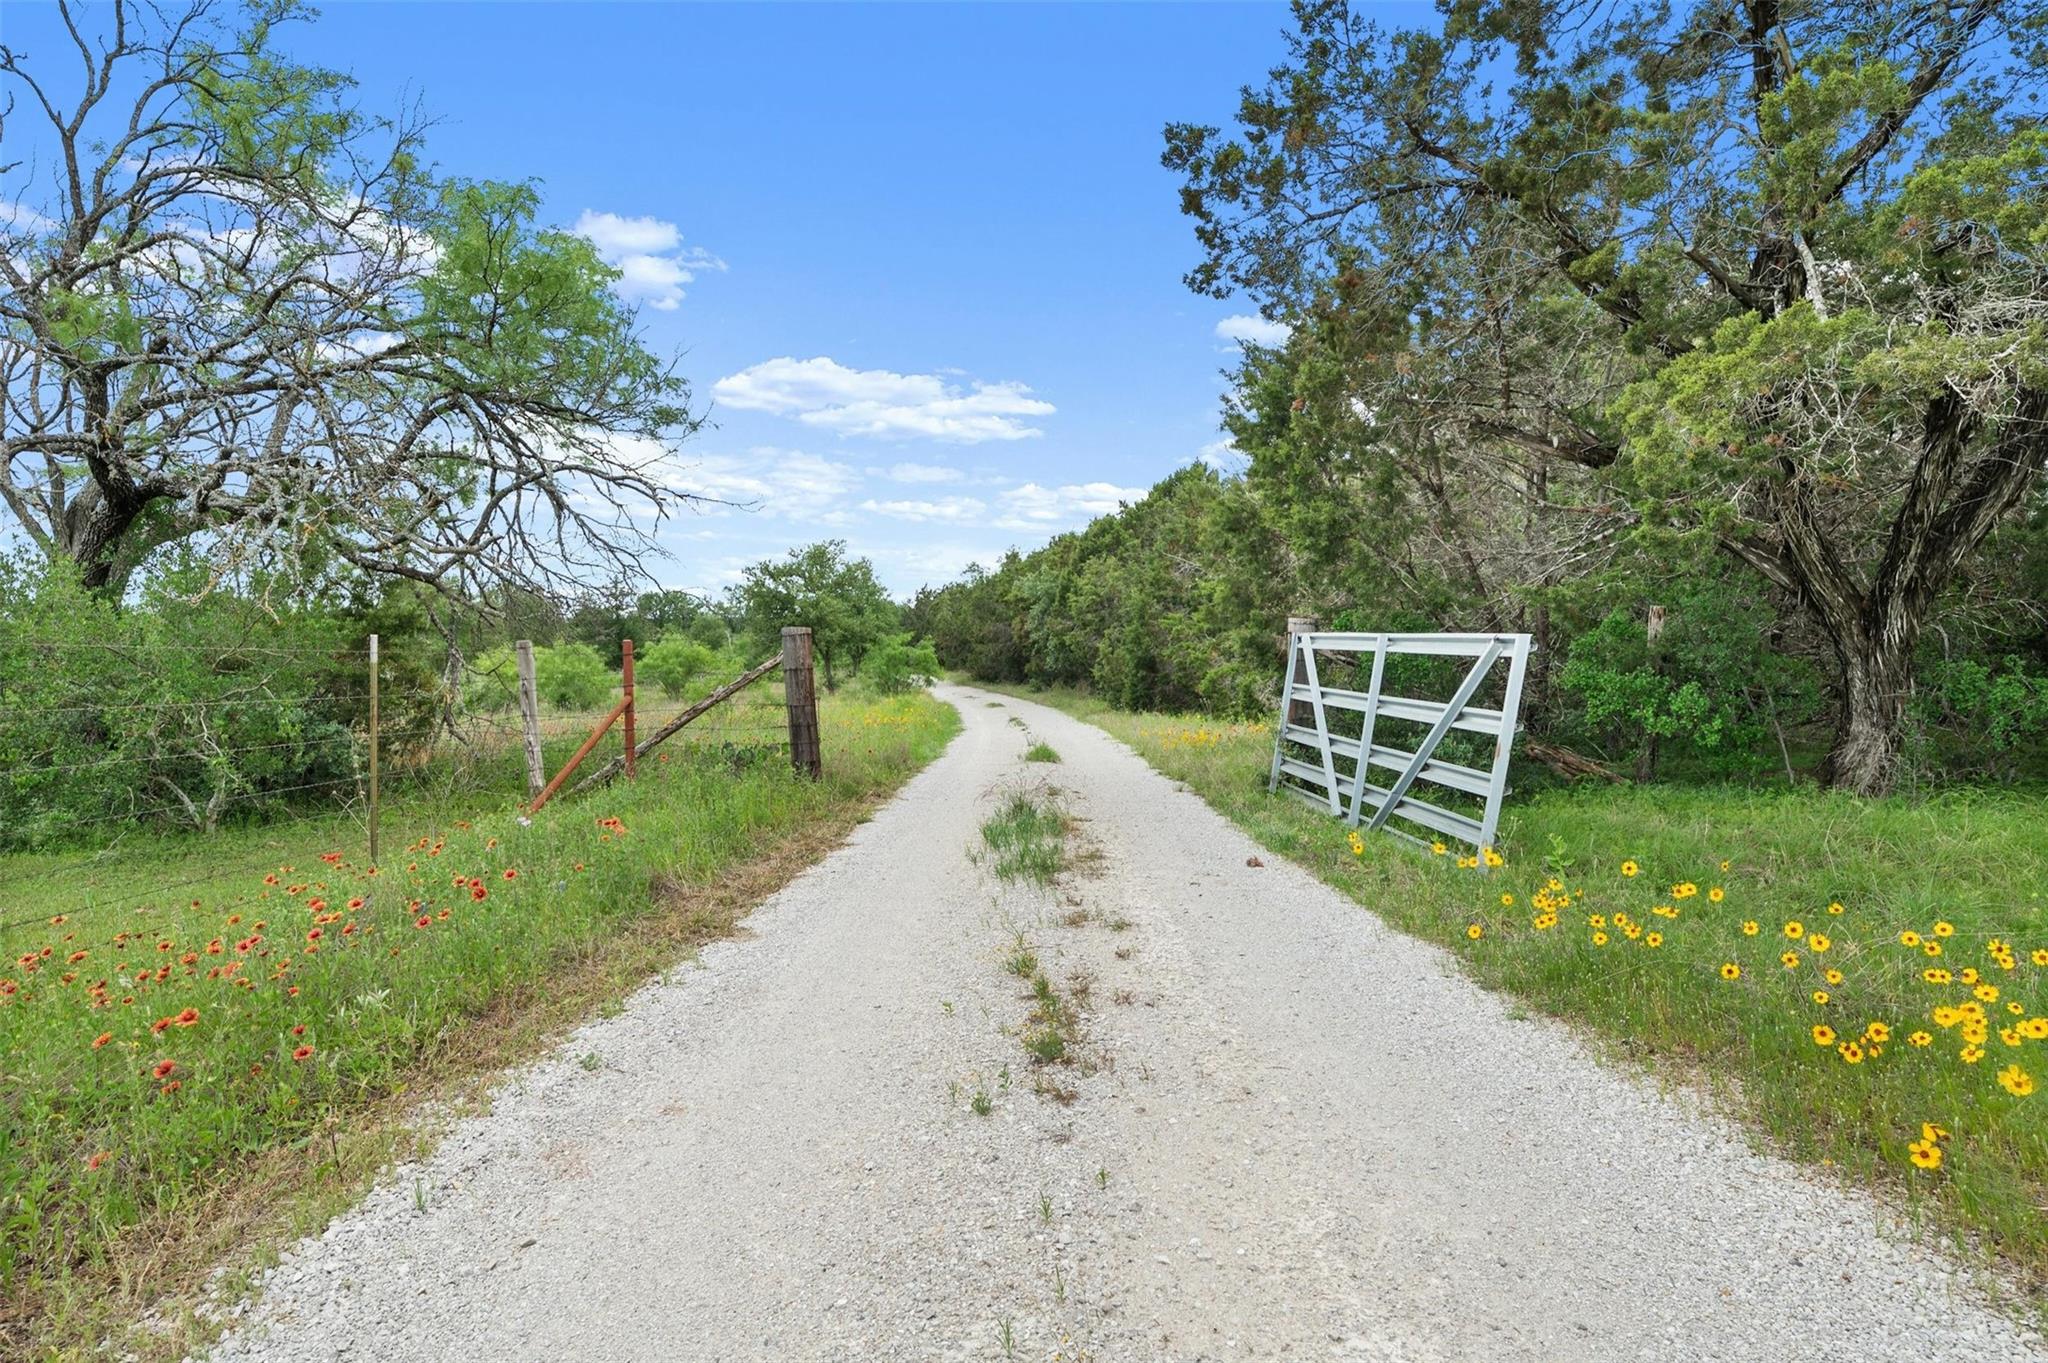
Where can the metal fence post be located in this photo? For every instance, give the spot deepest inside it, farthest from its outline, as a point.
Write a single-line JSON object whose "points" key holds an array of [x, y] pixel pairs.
{"points": [[529, 718], [800, 694], [626, 675], [373, 749], [1292, 711]]}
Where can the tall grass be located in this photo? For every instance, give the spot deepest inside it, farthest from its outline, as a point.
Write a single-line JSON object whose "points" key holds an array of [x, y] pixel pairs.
{"points": [[165, 1023], [1967, 871]]}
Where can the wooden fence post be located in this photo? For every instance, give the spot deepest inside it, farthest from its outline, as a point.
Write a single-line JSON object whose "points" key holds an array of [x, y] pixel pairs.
{"points": [[373, 749], [626, 676], [529, 718], [800, 693], [1298, 712]]}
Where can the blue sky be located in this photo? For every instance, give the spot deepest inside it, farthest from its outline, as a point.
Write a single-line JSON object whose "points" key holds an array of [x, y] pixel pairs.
{"points": [[921, 261]]}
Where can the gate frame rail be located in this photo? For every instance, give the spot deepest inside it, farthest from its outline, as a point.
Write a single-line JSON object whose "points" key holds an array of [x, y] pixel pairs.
{"points": [[1352, 795]]}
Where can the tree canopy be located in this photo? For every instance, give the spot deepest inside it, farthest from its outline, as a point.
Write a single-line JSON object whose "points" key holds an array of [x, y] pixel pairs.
{"points": [[1768, 277], [237, 311]]}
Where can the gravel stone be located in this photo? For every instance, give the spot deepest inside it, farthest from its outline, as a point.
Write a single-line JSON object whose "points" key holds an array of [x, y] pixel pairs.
{"points": [[1304, 1136]]}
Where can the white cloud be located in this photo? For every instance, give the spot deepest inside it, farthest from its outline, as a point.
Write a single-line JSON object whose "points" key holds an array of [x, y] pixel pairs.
{"points": [[779, 482], [19, 217], [1046, 509], [920, 473], [1222, 455], [953, 509], [649, 254], [1248, 327], [879, 402]]}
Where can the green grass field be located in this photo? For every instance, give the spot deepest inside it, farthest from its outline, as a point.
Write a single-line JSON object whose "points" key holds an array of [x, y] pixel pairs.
{"points": [[1913, 932], [182, 1018]]}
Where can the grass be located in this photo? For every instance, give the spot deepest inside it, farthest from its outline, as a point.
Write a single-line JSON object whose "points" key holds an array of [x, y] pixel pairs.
{"points": [[1027, 835], [1041, 752], [308, 1001], [1970, 863]]}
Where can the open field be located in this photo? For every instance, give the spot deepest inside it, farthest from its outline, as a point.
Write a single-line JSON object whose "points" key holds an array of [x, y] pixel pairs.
{"points": [[189, 1018], [1911, 937]]}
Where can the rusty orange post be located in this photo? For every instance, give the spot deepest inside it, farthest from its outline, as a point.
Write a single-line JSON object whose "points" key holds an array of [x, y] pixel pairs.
{"points": [[626, 663], [581, 753]]}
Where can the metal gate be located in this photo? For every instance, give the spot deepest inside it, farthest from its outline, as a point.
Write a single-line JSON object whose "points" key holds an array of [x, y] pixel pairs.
{"points": [[1332, 737]]}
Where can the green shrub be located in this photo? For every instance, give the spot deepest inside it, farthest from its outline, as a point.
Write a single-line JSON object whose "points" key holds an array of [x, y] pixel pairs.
{"points": [[672, 662], [572, 676], [896, 665]]}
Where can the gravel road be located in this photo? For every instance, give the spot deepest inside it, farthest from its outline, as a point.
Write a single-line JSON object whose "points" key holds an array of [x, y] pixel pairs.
{"points": [[1297, 1134]]}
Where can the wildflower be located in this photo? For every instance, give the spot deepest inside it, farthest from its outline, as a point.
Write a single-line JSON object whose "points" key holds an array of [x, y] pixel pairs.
{"points": [[478, 893], [355, 903], [315, 934], [1931, 947], [168, 1089], [1823, 1035], [422, 921], [1750, 929], [1654, 939], [299, 1029], [2016, 1081], [97, 1159], [1935, 976], [1493, 858], [1987, 992], [1507, 901], [1879, 1032], [302, 1053], [1629, 868], [102, 1039], [1925, 1154], [1818, 941], [1790, 960], [1716, 895], [1730, 971], [163, 1068], [1921, 1038], [1599, 939], [1851, 1052], [1909, 938], [1821, 996], [511, 873], [1944, 929], [1436, 848], [1724, 866], [2034, 1029], [1598, 920], [1835, 908], [1947, 1017], [1970, 1055], [2040, 956], [1833, 977], [1474, 931], [1795, 929]]}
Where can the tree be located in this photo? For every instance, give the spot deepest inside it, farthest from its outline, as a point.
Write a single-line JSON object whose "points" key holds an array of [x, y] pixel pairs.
{"points": [[239, 312], [818, 586], [1779, 272]]}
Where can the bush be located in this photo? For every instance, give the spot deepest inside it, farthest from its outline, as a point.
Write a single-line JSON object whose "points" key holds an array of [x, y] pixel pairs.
{"points": [[672, 661], [896, 665], [174, 711], [572, 676]]}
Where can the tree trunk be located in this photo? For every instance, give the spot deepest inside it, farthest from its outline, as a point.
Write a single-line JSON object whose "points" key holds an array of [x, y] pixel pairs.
{"points": [[1877, 683]]}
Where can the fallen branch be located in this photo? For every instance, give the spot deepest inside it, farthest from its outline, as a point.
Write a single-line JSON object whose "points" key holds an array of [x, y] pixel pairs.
{"points": [[1565, 762]]}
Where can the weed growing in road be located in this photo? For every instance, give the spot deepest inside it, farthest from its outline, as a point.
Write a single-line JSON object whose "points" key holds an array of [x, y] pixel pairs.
{"points": [[1028, 837], [1006, 1335], [1023, 961], [1045, 1209], [982, 1103], [592, 1061], [1041, 752], [1102, 1178]]}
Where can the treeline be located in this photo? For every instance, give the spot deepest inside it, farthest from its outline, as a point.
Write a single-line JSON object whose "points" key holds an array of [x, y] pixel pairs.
{"points": [[1179, 602], [1597, 307]]}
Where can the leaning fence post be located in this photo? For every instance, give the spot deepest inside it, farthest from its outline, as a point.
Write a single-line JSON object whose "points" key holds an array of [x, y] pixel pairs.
{"points": [[800, 694], [373, 750], [529, 718], [626, 676]]}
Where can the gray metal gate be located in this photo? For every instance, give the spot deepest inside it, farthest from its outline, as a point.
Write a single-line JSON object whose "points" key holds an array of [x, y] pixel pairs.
{"points": [[1332, 737]]}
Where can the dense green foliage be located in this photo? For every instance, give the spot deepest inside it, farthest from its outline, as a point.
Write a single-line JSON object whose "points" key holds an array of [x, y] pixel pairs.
{"points": [[838, 597], [896, 665], [1738, 311]]}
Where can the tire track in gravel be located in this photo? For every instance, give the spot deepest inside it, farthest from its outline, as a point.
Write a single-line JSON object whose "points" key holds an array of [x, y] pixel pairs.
{"points": [[1298, 1134]]}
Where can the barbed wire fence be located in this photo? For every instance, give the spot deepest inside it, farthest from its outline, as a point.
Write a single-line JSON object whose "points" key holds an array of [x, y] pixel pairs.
{"points": [[98, 758]]}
